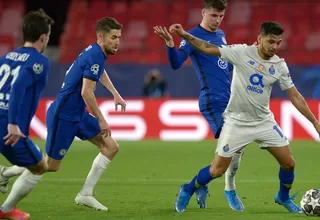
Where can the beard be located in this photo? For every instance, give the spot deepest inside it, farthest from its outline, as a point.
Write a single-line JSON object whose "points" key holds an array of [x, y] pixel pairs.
{"points": [[109, 51]]}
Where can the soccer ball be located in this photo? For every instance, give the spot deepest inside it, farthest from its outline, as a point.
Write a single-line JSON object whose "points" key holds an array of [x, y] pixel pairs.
{"points": [[310, 202]]}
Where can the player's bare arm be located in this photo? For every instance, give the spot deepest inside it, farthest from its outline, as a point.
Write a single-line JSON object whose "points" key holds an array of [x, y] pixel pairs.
{"points": [[164, 34], [299, 102], [88, 96], [118, 100], [195, 42]]}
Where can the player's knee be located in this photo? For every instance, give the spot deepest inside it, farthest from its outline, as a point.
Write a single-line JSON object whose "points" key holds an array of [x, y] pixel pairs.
{"points": [[111, 148], [217, 171], [40, 168], [53, 168], [53, 165], [289, 165]]}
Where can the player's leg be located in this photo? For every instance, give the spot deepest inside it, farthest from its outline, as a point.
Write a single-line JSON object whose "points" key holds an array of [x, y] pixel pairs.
{"points": [[6, 173], [214, 116], [108, 149], [24, 154], [231, 141], [273, 139], [286, 176], [61, 134]]}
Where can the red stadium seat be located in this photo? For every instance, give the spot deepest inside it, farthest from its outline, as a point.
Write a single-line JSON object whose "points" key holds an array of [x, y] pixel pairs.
{"points": [[138, 10], [6, 44], [241, 25]]}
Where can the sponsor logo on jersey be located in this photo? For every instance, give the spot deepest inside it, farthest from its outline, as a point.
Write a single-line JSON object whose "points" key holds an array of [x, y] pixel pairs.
{"points": [[257, 85], [222, 64]]}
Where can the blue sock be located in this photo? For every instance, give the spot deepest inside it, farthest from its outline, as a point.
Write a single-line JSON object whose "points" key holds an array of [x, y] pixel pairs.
{"points": [[202, 179], [286, 180]]}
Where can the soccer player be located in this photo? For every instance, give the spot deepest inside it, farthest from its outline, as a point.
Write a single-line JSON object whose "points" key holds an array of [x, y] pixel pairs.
{"points": [[67, 116], [23, 75], [214, 76], [247, 116]]}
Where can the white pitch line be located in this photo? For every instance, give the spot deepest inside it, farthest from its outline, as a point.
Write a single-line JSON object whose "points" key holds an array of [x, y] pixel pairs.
{"points": [[165, 180]]}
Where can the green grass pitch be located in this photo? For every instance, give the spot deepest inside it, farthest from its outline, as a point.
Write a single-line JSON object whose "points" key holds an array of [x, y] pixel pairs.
{"points": [[143, 180]]}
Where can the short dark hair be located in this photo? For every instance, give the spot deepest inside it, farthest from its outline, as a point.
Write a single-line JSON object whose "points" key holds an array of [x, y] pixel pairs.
{"points": [[271, 27], [106, 24], [215, 4], [35, 23]]}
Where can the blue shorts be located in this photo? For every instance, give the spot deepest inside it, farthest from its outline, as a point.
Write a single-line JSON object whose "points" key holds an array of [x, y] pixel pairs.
{"points": [[214, 115], [61, 133], [24, 154]]}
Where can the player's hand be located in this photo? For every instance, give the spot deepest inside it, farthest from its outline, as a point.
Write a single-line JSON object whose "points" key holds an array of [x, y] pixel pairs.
{"points": [[164, 34], [177, 29], [105, 129], [13, 135], [118, 100]]}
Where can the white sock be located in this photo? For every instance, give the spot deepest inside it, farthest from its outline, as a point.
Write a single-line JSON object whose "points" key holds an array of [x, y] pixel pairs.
{"points": [[230, 175], [100, 163], [21, 187], [13, 171]]}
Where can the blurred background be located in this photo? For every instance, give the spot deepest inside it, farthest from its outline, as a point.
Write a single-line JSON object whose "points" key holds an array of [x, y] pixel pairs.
{"points": [[142, 55]]}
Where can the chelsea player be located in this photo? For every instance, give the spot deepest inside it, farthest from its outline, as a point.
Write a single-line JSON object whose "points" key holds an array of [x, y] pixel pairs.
{"points": [[67, 116], [214, 76], [23, 75]]}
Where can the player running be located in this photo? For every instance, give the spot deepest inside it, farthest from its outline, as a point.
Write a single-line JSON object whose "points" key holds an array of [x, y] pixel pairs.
{"points": [[23, 76], [248, 117], [68, 118], [214, 76]]}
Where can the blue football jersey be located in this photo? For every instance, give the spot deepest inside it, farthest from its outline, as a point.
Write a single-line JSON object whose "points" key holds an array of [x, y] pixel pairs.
{"points": [[23, 76], [69, 104], [213, 72]]}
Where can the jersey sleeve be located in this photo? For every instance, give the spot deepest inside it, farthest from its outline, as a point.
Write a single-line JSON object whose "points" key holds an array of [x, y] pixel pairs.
{"points": [[176, 57], [94, 67], [231, 53], [285, 82], [27, 77]]}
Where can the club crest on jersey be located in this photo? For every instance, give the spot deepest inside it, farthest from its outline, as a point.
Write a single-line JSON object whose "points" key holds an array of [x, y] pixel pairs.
{"points": [[37, 68], [95, 69], [222, 64], [62, 152], [226, 148], [272, 70]]}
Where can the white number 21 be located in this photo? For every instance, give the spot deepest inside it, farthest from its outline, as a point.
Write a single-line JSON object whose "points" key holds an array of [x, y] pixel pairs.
{"points": [[5, 72]]}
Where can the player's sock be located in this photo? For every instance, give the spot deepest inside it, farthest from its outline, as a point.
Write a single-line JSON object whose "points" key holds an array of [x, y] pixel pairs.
{"points": [[13, 171], [100, 163], [21, 187], [202, 179], [286, 180], [231, 172]]}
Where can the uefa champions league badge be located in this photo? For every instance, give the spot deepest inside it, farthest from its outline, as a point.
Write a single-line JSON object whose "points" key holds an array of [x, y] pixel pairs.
{"points": [[272, 70], [226, 148]]}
